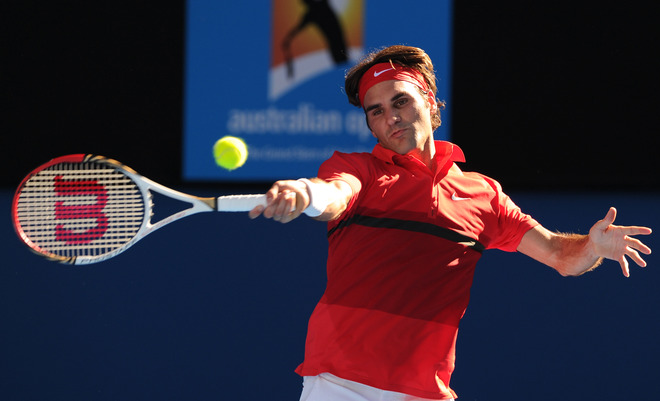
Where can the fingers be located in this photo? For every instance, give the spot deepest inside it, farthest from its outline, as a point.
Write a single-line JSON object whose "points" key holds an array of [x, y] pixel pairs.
{"points": [[283, 208], [634, 255], [606, 222], [618, 242], [256, 212], [285, 202], [632, 249], [610, 216], [624, 266], [635, 244], [637, 230]]}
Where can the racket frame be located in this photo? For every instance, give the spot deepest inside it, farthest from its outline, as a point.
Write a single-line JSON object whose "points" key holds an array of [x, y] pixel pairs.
{"points": [[230, 203]]}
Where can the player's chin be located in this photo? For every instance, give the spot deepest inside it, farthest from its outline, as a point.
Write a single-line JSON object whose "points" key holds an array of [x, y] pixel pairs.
{"points": [[402, 147]]}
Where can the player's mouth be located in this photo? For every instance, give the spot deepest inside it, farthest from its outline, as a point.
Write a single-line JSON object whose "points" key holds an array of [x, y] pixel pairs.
{"points": [[397, 134]]}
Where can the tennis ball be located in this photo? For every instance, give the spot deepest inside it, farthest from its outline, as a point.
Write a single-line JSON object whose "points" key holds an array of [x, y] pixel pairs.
{"points": [[230, 152]]}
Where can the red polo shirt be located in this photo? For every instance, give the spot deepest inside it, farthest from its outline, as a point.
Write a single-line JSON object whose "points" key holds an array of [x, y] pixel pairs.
{"points": [[400, 266]]}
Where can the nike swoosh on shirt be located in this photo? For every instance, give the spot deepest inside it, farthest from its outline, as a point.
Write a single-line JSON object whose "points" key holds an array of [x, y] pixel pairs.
{"points": [[377, 73], [455, 197]]}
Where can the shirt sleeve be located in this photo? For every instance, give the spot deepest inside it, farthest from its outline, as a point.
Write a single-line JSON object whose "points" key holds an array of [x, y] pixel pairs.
{"points": [[349, 168], [512, 225]]}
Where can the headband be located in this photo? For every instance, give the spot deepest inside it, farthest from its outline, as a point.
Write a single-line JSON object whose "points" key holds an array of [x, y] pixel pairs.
{"points": [[386, 72]]}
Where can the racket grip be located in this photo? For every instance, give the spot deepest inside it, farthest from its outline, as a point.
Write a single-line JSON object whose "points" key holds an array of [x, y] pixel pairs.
{"points": [[239, 203]]}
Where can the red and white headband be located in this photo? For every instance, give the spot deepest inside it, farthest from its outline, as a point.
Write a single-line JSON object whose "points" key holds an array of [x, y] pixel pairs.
{"points": [[386, 72]]}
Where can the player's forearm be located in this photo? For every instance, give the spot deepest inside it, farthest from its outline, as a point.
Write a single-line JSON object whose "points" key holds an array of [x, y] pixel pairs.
{"points": [[569, 254], [573, 254]]}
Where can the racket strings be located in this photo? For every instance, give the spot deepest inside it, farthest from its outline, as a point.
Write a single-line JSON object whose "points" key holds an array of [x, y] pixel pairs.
{"points": [[80, 209]]}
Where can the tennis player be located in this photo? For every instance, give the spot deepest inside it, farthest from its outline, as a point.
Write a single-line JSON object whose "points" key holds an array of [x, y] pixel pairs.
{"points": [[406, 227]]}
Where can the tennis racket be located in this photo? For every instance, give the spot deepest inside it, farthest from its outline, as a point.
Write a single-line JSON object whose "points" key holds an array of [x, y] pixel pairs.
{"points": [[80, 209]]}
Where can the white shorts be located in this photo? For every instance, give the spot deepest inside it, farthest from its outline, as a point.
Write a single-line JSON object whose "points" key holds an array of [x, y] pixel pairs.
{"points": [[327, 387]]}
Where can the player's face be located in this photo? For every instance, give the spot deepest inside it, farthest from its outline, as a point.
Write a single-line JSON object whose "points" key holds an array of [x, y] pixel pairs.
{"points": [[399, 116]]}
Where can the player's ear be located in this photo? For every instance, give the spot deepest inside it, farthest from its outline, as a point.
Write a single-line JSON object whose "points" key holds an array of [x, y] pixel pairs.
{"points": [[431, 99]]}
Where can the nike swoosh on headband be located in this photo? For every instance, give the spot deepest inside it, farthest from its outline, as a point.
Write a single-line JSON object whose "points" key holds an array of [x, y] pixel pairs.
{"points": [[386, 71], [377, 73]]}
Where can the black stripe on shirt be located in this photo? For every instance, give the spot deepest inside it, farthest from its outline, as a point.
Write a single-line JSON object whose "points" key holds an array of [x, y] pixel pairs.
{"points": [[409, 225]]}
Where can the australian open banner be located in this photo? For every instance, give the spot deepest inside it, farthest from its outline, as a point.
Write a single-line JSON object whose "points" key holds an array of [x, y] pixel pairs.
{"points": [[272, 73]]}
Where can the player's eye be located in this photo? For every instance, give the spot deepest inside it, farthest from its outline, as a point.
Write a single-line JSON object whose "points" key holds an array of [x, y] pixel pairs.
{"points": [[376, 112], [400, 102]]}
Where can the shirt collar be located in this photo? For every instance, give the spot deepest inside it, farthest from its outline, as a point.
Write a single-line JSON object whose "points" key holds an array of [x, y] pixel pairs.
{"points": [[445, 152]]}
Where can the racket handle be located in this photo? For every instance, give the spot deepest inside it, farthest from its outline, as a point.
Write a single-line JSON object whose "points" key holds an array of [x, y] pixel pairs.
{"points": [[239, 203]]}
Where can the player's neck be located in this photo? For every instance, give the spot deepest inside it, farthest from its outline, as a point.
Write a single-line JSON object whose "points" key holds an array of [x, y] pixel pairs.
{"points": [[425, 154]]}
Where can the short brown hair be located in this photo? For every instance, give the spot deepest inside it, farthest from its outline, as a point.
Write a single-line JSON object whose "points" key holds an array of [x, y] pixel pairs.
{"points": [[408, 56]]}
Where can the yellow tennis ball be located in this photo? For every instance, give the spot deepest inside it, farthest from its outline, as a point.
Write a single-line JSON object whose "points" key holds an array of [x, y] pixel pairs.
{"points": [[230, 152]]}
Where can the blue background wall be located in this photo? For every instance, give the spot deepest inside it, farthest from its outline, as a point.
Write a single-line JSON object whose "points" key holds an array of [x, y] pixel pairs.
{"points": [[198, 312], [554, 99]]}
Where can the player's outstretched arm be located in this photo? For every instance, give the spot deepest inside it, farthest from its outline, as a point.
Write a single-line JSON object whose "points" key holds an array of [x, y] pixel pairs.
{"points": [[288, 199], [573, 254]]}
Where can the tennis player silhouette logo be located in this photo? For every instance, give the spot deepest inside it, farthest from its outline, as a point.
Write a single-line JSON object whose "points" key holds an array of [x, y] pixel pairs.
{"points": [[310, 37], [320, 14]]}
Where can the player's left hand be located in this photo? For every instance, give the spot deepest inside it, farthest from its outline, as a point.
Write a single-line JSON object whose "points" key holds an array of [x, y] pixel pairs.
{"points": [[616, 242]]}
